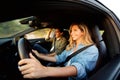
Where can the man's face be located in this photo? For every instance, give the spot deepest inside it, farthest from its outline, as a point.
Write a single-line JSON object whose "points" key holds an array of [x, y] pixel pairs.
{"points": [[57, 33]]}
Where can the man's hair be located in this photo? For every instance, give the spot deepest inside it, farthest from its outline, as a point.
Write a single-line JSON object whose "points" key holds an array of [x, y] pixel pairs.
{"points": [[60, 29]]}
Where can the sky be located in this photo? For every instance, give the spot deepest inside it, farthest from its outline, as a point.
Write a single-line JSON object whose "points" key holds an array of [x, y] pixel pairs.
{"points": [[112, 5]]}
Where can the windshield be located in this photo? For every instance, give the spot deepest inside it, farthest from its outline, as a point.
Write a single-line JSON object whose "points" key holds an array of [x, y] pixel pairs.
{"points": [[10, 28]]}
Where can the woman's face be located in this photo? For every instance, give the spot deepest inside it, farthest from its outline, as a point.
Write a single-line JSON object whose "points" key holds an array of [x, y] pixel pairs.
{"points": [[76, 33]]}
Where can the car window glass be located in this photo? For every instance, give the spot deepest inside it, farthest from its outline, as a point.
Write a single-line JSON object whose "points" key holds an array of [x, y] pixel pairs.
{"points": [[40, 33], [10, 28], [101, 32]]}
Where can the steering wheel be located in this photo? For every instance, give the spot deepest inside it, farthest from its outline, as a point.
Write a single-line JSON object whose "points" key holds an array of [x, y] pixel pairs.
{"points": [[24, 48]]}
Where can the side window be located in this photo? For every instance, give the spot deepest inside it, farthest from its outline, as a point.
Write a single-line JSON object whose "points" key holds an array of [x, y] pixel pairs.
{"points": [[40, 33], [101, 32]]}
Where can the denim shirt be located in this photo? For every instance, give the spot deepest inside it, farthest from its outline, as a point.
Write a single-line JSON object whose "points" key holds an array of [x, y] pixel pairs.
{"points": [[84, 62]]}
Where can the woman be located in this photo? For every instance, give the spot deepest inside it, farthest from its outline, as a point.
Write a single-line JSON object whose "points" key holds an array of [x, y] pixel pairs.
{"points": [[76, 68]]}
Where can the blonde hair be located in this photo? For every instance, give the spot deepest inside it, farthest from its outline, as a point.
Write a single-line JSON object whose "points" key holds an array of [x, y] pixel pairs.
{"points": [[86, 39]]}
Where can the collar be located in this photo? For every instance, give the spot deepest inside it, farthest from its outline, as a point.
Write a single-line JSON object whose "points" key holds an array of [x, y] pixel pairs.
{"points": [[59, 38]]}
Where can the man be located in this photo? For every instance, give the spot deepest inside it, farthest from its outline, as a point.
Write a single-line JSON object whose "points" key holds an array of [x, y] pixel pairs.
{"points": [[58, 44]]}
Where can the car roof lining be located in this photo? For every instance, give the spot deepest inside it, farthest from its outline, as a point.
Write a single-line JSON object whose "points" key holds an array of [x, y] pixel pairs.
{"points": [[68, 12], [56, 11]]}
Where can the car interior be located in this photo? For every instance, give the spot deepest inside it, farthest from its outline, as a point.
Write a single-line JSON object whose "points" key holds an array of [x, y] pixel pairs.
{"points": [[102, 29]]}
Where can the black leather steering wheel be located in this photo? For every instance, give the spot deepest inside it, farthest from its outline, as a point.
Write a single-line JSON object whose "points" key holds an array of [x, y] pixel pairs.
{"points": [[24, 48]]}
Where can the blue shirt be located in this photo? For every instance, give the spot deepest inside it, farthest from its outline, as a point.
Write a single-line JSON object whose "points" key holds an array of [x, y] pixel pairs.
{"points": [[84, 62]]}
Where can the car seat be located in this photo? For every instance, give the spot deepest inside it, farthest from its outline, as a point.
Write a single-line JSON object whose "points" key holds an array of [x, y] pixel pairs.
{"points": [[97, 38]]}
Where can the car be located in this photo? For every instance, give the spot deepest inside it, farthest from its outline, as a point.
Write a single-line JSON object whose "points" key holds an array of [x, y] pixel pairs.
{"points": [[32, 20]]}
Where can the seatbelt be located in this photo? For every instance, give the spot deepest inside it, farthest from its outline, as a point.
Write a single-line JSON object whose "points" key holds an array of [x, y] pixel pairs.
{"points": [[73, 54]]}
